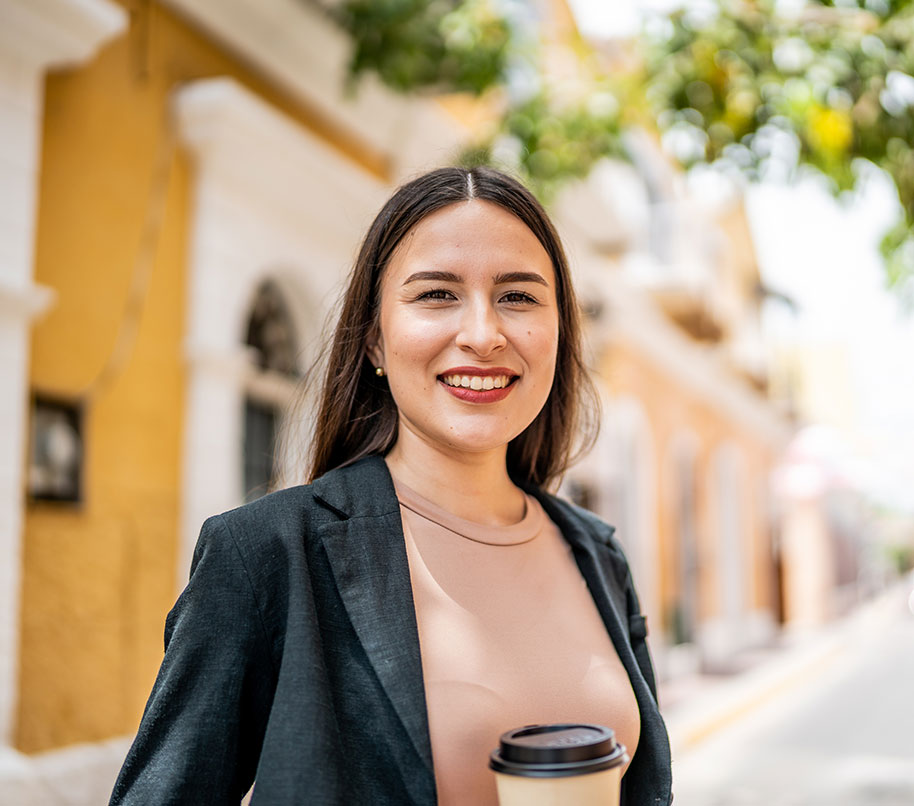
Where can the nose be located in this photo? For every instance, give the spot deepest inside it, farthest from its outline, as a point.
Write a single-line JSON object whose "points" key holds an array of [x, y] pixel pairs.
{"points": [[480, 329]]}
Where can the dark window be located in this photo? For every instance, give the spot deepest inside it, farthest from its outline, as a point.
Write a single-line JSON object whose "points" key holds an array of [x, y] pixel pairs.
{"points": [[56, 451], [260, 424], [271, 334]]}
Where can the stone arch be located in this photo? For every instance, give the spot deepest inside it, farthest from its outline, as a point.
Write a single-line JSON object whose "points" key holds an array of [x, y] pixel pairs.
{"points": [[270, 331], [292, 281]]}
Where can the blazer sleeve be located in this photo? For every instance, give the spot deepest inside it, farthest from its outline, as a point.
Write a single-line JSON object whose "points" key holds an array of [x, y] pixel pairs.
{"points": [[201, 732]]}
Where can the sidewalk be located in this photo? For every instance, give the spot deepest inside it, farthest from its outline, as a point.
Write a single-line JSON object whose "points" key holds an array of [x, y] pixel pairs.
{"points": [[700, 705], [72, 776]]}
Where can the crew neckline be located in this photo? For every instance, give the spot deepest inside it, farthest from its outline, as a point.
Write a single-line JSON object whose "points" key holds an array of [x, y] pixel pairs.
{"points": [[524, 531]]}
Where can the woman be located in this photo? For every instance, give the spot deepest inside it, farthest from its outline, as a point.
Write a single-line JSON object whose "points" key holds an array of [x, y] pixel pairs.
{"points": [[365, 639]]}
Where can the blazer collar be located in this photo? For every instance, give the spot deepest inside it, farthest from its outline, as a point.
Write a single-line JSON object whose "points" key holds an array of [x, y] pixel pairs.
{"points": [[367, 553], [362, 489]]}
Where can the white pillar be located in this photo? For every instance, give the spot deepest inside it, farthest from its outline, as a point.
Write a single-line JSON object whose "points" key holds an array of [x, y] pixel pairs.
{"points": [[34, 36], [725, 634]]}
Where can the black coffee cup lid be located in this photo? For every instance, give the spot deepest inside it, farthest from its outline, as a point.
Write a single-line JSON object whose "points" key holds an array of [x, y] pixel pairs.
{"points": [[556, 751]]}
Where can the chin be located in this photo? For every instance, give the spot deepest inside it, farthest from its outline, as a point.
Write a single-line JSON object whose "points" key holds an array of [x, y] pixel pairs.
{"points": [[479, 441]]}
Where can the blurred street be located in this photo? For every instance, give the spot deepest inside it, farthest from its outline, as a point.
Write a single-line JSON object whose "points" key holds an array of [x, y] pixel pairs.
{"points": [[837, 730]]}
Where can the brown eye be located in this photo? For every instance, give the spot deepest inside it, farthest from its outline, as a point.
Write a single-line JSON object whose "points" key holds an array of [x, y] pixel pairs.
{"points": [[519, 298], [436, 294]]}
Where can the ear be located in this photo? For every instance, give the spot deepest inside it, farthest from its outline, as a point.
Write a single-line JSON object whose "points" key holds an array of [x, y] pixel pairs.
{"points": [[375, 350]]}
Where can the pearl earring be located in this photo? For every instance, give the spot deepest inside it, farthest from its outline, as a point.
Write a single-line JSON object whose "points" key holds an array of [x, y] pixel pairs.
{"points": [[379, 371]]}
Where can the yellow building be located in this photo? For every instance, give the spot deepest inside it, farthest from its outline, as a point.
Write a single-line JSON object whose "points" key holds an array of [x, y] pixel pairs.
{"points": [[184, 187], [184, 183]]}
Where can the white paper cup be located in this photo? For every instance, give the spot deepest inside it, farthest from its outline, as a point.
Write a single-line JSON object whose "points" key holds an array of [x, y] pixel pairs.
{"points": [[558, 765]]}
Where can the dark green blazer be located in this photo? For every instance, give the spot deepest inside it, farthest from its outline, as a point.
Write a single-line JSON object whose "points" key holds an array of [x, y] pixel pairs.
{"points": [[292, 657]]}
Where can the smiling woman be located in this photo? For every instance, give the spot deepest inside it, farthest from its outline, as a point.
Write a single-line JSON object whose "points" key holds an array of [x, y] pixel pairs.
{"points": [[366, 638], [468, 335], [449, 213]]}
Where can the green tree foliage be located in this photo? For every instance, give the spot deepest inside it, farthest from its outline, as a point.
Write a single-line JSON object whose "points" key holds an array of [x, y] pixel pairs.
{"points": [[828, 84], [836, 78], [442, 46], [427, 45], [550, 140]]}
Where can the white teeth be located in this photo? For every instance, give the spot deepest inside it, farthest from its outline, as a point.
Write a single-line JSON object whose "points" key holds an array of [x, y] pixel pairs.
{"points": [[477, 382]]}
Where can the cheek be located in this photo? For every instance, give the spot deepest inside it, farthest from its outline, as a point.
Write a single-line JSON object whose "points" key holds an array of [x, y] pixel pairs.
{"points": [[412, 342], [541, 345]]}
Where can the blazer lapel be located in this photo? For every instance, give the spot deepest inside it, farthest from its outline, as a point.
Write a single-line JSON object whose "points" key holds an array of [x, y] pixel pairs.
{"points": [[366, 550]]}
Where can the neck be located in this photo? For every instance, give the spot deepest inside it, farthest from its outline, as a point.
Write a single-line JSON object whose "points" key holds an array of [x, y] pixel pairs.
{"points": [[474, 486]]}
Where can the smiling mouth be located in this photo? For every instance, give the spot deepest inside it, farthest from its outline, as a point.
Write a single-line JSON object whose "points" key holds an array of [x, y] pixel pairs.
{"points": [[478, 382]]}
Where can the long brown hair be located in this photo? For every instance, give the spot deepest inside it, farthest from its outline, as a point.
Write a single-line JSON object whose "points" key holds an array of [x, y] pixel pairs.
{"points": [[356, 414]]}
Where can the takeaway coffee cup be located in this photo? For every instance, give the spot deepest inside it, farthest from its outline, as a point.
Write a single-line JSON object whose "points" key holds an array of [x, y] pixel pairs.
{"points": [[558, 765]]}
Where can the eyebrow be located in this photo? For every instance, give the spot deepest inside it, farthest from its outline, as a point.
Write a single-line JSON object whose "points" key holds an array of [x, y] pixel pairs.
{"points": [[500, 279]]}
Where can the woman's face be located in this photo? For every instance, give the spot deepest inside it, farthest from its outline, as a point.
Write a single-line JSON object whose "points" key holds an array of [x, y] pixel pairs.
{"points": [[468, 328]]}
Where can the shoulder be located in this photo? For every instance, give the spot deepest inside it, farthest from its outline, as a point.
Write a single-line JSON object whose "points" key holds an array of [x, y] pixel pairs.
{"points": [[254, 540], [582, 527], [294, 514], [278, 512], [564, 512], [271, 541], [601, 531]]}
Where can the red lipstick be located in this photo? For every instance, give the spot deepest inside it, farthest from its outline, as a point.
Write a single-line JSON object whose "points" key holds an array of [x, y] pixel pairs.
{"points": [[482, 372], [479, 395]]}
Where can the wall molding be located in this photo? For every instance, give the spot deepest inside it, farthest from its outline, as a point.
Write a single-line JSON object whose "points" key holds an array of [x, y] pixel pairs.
{"points": [[301, 50], [24, 304], [58, 33]]}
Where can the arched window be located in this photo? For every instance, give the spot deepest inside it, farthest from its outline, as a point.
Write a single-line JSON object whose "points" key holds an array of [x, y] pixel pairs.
{"points": [[273, 346]]}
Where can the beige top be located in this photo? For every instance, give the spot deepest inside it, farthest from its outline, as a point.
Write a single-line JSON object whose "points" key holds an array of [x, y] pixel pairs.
{"points": [[510, 636]]}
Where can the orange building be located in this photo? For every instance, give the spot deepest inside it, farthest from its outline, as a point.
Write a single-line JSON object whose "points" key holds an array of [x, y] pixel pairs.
{"points": [[689, 437]]}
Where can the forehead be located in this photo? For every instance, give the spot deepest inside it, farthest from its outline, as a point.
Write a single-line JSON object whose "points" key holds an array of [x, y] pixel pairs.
{"points": [[472, 236]]}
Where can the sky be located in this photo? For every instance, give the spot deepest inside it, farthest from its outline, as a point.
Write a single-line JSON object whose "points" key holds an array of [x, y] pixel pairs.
{"points": [[824, 255], [609, 18]]}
